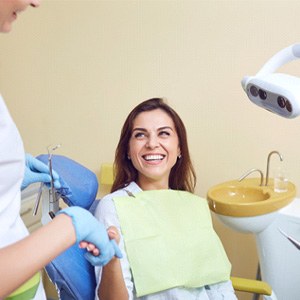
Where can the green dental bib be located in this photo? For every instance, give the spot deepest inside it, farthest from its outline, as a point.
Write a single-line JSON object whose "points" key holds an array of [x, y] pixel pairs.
{"points": [[170, 241]]}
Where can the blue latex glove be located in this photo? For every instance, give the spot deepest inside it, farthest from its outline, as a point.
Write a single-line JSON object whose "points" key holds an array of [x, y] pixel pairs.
{"points": [[89, 229], [36, 171]]}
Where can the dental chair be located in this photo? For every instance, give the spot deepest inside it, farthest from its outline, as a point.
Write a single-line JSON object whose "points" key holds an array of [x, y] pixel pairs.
{"points": [[72, 275]]}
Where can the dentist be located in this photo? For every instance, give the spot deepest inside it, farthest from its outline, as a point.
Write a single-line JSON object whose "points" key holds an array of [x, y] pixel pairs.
{"points": [[23, 255]]}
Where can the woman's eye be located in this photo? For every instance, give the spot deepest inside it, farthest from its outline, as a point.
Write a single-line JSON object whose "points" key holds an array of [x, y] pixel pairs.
{"points": [[164, 133], [139, 135]]}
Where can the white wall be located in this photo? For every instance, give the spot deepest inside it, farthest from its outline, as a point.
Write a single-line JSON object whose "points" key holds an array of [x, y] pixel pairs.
{"points": [[72, 70]]}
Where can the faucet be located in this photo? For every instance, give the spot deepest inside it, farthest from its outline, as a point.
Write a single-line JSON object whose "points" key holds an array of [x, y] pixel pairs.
{"points": [[251, 171], [268, 164]]}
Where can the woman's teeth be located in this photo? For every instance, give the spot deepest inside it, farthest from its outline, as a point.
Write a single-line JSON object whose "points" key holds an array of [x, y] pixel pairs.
{"points": [[153, 157]]}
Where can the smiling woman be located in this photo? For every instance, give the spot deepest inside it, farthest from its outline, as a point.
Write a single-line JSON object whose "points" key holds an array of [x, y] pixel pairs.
{"points": [[153, 148], [154, 128], [154, 212]]}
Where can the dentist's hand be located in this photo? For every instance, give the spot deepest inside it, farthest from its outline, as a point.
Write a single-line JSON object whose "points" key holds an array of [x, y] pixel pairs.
{"points": [[37, 171], [89, 229], [113, 234]]}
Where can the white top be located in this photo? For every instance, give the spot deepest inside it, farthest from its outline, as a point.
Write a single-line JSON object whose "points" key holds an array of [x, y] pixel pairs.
{"points": [[12, 166], [106, 213]]}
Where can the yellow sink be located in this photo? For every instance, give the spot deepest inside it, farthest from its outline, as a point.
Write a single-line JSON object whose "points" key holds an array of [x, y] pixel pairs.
{"points": [[247, 198]]}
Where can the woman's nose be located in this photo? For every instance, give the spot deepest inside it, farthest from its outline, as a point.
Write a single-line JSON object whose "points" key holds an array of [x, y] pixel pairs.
{"points": [[35, 3], [152, 142]]}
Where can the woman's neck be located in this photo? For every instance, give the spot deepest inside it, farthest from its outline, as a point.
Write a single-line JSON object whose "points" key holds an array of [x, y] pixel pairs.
{"points": [[148, 185]]}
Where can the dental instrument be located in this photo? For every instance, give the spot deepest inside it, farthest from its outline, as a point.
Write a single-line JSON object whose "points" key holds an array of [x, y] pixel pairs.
{"points": [[292, 240], [51, 200], [38, 200], [53, 195], [276, 92]]}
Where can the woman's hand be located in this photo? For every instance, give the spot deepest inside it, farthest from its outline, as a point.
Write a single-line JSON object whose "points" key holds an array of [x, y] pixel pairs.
{"points": [[113, 234]]}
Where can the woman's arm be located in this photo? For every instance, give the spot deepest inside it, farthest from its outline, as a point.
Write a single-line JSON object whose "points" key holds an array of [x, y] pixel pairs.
{"points": [[112, 285], [114, 280], [21, 260]]}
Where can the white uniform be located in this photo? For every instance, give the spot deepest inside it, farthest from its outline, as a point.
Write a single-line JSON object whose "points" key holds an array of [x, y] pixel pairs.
{"points": [[107, 214], [12, 166]]}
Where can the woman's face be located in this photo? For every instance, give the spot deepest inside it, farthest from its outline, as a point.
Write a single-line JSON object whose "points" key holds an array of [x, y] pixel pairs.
{"points": [[153, 148], [9, 9]]}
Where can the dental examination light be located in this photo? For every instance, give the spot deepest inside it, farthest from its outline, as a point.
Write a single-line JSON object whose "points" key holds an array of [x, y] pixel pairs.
{"points": [[276, 92]]}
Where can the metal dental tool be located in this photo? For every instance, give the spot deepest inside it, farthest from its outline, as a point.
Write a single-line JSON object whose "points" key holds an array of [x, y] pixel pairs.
{"points": [[53, 195], [292, 240], [38, 200], [50, 197]]}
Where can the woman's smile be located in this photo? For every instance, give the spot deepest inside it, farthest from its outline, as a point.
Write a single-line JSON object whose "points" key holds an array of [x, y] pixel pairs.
{"points": [[153, 157]]}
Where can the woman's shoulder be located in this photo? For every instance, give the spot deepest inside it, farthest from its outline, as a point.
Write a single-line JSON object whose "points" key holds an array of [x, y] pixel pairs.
{"points": [[131, 188], [107, 200]]}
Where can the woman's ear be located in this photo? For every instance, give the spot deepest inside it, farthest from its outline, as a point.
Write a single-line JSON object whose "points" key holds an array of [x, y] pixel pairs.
{"points": [[179, 153]]}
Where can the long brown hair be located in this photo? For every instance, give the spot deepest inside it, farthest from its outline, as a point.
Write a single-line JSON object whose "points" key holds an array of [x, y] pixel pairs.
{"points": [[182, 175]]}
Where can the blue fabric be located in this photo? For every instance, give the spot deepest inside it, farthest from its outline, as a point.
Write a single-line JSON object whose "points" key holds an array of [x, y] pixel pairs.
{"points": [[73, 275], [79, 185]]}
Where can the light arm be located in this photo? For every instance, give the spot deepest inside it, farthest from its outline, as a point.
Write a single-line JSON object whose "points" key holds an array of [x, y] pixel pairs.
{"points": [[282, 57]]}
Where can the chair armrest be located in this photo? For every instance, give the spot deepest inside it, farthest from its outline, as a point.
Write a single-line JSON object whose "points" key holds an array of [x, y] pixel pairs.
{"points": [[251, 286]]}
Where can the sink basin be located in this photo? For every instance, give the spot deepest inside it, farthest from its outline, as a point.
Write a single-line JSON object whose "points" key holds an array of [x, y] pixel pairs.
{"points": [[247, 198], [235, 194]]}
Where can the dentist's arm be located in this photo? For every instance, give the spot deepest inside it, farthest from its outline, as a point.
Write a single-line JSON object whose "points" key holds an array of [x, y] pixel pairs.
{"points": [[20, 261]]}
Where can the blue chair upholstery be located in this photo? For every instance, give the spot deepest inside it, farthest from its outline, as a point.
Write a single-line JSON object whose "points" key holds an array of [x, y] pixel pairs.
{"points": [[73, 275]]}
